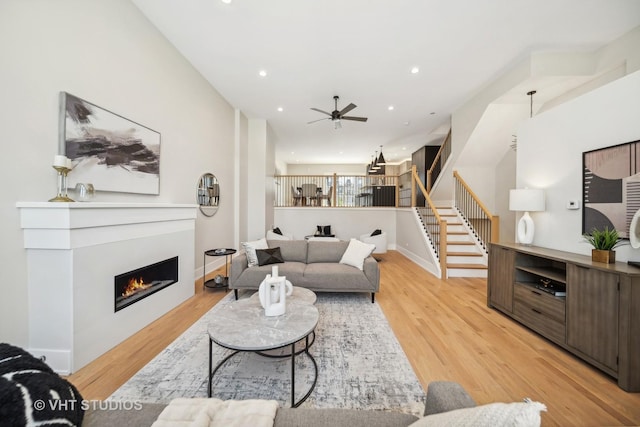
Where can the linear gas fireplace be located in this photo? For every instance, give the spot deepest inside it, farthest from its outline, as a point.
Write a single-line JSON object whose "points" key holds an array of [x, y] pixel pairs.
{"points": [[138, 284]]}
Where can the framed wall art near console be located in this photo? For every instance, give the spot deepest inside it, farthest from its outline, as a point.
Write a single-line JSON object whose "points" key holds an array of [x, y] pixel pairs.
{"points": [[107, 150], [611, 187]]}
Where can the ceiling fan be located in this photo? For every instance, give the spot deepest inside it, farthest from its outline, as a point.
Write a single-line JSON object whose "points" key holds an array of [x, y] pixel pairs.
{"points": [[337, 116]]}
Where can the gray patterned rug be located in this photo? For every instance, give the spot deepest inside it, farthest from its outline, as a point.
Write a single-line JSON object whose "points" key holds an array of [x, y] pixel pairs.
{"points": [[361, 365]]}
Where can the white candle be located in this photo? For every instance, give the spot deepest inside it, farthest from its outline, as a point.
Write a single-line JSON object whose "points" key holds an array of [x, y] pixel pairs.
{"points": [[69, 164], [60, 161], [274, 271]]}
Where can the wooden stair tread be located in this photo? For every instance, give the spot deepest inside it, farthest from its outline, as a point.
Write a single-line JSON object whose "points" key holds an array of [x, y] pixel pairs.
{"points": [[464, 254], [457, 233], [468, 266], [454, 242]]}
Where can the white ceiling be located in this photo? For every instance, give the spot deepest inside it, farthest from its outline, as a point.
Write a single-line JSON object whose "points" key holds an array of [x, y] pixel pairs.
{"points": [[363, 51]]}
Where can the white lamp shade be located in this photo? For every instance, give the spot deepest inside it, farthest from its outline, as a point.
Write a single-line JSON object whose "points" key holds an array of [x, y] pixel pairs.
{"points": [[526, 200]]}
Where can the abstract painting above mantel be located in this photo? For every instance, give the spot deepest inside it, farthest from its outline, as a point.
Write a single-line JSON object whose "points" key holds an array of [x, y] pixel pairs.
{"points": [[107, 150], [611, 187]]}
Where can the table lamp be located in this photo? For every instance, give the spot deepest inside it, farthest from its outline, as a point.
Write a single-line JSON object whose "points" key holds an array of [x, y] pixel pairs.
{"points": [[526, 200]]}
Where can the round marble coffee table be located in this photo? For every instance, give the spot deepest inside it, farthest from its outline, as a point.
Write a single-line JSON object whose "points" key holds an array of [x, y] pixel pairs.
{"points": [[246, 328], [299, 295]]}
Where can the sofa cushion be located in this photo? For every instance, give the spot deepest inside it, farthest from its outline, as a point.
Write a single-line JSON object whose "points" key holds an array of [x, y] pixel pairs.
{"points": [[252, 277], [250, 250], [269, 256], [290, 417], [332, 276], [517, 414], [291, 250], [356, 252], [323, 251]]}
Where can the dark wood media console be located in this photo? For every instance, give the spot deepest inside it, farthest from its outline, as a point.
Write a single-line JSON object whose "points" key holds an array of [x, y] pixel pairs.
{"points": [[597, 320]]}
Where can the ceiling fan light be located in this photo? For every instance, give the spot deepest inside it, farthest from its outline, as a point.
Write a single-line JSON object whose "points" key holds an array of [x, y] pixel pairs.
{"points": [[337, 124]]}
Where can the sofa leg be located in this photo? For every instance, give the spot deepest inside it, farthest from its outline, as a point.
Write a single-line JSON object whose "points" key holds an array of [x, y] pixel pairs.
{"points": [[373, 297], [235, 292]]}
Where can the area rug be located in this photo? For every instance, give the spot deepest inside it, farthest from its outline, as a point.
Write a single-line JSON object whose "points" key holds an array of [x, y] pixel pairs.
{"points": [[361, 365]]}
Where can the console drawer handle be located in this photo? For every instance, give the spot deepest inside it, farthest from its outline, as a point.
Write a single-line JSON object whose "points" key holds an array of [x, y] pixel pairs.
{"points": [[536, 311], [536, 292]]}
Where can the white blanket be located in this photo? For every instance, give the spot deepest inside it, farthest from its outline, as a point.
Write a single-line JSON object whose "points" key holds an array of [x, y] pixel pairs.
{"points": [[202, 412]]}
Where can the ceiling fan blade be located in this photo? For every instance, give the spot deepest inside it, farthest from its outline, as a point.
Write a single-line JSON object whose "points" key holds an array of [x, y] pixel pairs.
{"points": [[357, 119], [313, 121], [346, 109], [320, 111]]}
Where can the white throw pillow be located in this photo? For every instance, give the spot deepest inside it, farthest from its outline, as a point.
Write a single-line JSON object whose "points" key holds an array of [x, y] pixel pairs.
{"points": [[275, 236], [250, 250], [356, 253], [516, 414]]}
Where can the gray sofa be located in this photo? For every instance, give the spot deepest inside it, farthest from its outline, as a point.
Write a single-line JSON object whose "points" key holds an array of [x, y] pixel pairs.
{"points": [[442, 396], [314, 265]]}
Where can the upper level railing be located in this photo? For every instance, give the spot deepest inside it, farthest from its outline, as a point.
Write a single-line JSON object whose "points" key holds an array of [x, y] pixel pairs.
{"points": [[336, 190], [485, 226]]}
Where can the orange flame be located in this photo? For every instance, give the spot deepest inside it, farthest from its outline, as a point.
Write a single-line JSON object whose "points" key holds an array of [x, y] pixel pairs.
{"points": [[135, 285]]}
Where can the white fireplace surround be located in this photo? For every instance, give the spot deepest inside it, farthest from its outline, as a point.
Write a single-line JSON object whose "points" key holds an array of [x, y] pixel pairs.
{"points": [[74, 251]]}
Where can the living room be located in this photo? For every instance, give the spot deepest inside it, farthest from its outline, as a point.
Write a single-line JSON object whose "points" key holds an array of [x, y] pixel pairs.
{"points": [[108, 52]]}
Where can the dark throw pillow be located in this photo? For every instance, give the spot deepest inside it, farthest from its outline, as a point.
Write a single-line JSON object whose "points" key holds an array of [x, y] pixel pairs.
{"points": [[29, 388], [376, 232], [277, 231], [269, 256], [327, 230]]}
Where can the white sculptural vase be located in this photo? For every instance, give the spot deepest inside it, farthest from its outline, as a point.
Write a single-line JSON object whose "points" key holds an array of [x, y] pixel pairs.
{"points": [[273, 294]]}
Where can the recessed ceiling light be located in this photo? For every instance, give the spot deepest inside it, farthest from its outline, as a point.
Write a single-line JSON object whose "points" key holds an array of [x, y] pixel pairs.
{"points": [[407, 123], [226, 1], [280, 109], [415, 70], [262, 73], [390, 107]]}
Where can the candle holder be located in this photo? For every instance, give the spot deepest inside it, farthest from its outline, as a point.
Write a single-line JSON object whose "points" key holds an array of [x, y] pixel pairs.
{"points": [[62, 185]]}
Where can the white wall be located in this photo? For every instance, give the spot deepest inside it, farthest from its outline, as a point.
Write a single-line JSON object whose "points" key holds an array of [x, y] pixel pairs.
{"points": [[324, 169], [549, 156], [106, 52], [345, 222]]}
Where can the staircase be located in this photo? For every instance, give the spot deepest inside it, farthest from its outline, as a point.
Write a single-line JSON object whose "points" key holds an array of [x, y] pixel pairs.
{"points": [[464, 257]]}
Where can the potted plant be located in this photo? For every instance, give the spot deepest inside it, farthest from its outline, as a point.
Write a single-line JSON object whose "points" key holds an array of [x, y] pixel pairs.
{"points": [[604, 242]]}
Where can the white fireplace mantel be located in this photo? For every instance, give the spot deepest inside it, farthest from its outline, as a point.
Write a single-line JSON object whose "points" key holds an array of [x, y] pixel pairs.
{"points": [[74, 251]]}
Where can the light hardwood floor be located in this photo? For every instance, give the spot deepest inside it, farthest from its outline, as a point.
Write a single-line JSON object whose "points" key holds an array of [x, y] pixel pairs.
{"points": [[447, 332]]}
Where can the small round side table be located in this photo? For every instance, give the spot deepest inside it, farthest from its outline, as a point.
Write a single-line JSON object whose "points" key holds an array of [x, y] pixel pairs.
{"points": [[211, 283]]}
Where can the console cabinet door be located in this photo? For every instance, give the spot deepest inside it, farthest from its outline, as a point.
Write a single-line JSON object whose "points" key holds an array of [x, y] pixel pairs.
{"points": [[592, 313], [501, 278]]}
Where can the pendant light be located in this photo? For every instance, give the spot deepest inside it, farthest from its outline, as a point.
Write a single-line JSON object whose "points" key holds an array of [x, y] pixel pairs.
{"points": [[531, 93], [381, 160], [376, 167]]}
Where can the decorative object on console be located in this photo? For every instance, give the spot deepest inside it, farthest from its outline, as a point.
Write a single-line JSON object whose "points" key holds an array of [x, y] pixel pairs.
{"points": [[634, 230], [323, 230], [63, 166], [526, 200], [84, 192], [112, 152], [604, 242]]}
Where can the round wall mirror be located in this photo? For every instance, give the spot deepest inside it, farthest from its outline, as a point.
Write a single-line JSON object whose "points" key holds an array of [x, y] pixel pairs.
{"points": [[208, 195]]}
